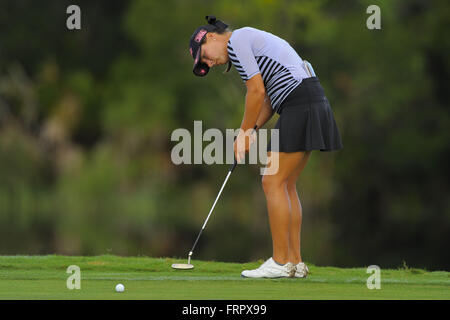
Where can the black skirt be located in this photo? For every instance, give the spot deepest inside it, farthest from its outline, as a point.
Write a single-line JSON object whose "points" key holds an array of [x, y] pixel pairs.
{"points": [[306, 121]]}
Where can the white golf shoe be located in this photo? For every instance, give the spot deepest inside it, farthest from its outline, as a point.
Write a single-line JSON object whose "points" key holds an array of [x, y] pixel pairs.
{"points": [[271, 269], [301, 270]]}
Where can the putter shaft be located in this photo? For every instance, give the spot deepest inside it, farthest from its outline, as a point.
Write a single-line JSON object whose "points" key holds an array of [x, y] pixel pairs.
{"points": [[233, 166]]}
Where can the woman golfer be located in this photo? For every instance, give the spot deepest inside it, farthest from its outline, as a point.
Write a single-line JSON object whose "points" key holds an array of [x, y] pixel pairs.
{"points": [[277, 80]]}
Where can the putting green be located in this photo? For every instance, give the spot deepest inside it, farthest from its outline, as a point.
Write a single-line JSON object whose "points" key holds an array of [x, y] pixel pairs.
{"points": [[45, 277]]}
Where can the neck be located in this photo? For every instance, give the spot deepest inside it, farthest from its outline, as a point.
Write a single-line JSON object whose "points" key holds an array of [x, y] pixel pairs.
{"points": [[228, 35]]}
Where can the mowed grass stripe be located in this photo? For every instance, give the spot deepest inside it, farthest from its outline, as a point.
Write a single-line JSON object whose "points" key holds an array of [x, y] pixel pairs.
{"points": [[144, 276], [213, 290]]}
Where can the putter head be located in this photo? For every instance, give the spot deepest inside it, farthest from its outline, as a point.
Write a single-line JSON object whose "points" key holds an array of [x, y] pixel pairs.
{"points": [[182, 266]]}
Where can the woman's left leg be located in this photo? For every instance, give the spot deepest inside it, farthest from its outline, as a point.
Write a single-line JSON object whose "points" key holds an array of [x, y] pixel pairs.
{"points": [[296, 212], [278, 202]]}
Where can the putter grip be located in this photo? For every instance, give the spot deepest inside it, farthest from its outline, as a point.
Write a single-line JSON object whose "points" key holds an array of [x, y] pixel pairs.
{"points": [[235, 161]]}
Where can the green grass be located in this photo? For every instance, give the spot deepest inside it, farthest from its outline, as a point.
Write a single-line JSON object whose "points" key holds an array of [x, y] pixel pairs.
{"points": [[44, 277]]}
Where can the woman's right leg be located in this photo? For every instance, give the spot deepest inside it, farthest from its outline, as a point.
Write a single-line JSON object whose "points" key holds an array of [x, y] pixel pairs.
{"points": [[296, 212]]}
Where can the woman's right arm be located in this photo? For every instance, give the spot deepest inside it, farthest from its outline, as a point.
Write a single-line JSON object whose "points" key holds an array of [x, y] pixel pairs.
{"points": [[266, 112]]}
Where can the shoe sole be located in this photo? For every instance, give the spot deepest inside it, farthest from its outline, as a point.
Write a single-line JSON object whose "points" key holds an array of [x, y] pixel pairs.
{"points": [[263, 277]]}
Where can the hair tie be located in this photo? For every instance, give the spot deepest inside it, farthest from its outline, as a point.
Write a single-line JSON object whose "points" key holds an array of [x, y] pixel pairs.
{"points": [[211, 20], [217, 23]]}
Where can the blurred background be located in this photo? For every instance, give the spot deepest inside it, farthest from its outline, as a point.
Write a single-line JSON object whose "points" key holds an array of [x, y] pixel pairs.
{"points": [[86, 118]]}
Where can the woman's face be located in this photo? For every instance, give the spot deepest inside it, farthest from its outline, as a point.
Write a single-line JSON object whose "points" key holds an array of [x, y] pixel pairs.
{"points": [[214, 51]]}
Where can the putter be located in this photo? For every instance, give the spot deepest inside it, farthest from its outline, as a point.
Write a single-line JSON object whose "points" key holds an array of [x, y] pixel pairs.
{"points": [[187, 266]]}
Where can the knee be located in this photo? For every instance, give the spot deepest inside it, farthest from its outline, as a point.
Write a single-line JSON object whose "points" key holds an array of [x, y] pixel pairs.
{"points": [[271, 182], [291, 186]]}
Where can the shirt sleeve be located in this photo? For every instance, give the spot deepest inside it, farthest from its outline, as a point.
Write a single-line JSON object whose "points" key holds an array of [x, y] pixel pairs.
{"points": [[241, 55]]}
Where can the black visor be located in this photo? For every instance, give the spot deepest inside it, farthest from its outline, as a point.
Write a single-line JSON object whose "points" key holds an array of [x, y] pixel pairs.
{"points": [[201, 69]]}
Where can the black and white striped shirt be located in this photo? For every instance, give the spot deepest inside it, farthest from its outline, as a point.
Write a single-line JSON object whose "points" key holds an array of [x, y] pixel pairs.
{"points": [[254, 51]]}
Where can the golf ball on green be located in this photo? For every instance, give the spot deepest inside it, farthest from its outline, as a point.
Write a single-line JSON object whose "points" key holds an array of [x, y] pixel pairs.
{"points": [[120, 288]]}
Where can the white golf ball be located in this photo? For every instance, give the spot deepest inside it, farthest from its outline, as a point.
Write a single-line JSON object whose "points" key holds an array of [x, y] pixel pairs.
{"points": [[120, 288]]}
